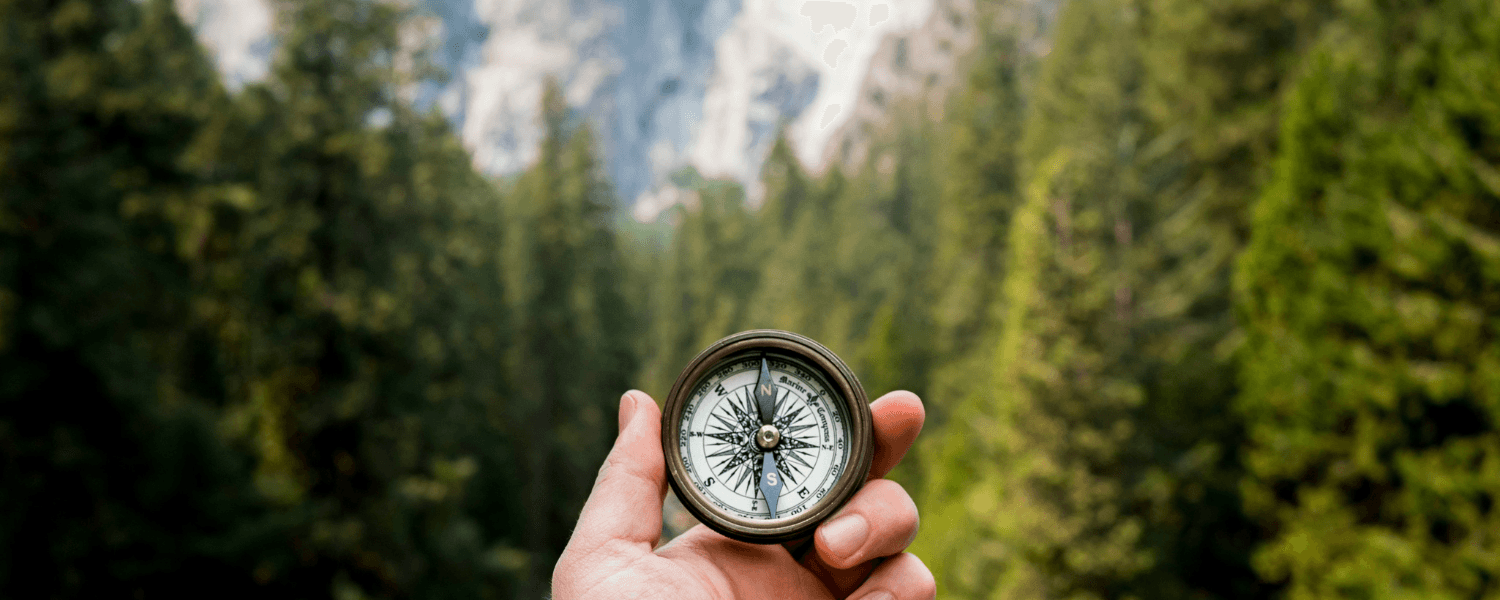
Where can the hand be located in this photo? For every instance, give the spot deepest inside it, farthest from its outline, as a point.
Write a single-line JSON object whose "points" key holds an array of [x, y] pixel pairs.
{"points": [[611, 552]]}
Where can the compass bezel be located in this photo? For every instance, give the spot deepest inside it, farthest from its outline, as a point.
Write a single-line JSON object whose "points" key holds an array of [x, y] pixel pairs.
{"points": [[833, 371]]}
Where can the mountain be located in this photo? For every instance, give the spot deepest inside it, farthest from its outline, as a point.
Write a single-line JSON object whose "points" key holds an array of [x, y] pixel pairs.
{"points": [[914, 68], [666, 83]]}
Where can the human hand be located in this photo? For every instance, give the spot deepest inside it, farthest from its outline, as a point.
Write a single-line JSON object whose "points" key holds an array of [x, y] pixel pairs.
{"points": [[856, 554]]}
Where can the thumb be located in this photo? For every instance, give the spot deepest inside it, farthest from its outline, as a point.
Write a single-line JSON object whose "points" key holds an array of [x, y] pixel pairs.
{"points": [[626, 502]]}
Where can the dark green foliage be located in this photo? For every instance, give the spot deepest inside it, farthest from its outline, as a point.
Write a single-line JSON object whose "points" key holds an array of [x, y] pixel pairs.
{"points": [[1052, 507], [113, 479], [354, 301], [891, 262], [980, 162], [700, 289], [570, 349], [256, 342], [1370, 292]]}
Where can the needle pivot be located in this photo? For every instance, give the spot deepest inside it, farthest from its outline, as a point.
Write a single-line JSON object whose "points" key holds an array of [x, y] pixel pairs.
{"points": [[768, 437]]}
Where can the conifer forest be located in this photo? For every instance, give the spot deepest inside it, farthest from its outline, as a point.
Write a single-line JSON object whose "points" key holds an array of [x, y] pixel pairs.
{"points": [[1203, 302]]}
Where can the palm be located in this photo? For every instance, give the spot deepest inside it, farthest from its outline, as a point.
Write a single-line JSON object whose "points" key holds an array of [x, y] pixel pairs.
{"points": [[704, 564]]}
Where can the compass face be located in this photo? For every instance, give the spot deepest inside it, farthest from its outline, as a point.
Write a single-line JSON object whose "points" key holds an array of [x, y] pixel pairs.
{"points": [[720, 421], [766, 434]]}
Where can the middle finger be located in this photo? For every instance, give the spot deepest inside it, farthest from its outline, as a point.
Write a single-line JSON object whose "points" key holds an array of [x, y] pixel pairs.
{"points": [[881, 520]]}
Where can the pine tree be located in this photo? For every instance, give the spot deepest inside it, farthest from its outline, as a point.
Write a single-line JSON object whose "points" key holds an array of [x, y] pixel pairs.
{"points": [[115, 482], [885, 259], [352, 293], [1109, 475], [275, 325], [1368, 294], [790, 241], [979, 168], [571, 352], [1057, 433], [706, 278]]}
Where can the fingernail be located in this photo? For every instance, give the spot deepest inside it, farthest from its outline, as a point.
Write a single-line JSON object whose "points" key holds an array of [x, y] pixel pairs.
{"points": [[627, 410], [845, 535], [878, 595]]}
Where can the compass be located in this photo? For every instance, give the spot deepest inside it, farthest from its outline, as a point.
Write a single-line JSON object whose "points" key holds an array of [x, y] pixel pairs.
{"points": [[766, 434]]}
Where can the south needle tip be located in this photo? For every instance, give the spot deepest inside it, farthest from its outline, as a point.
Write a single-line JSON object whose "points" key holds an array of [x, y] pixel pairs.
{"points": [[770, 482]]}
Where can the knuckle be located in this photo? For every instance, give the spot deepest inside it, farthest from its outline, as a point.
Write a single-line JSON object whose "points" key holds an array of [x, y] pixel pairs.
{"points": [[924, 585], [603, 469], [891, 493], [885, 486], [913, 521], [894, 510], [882, 494], [927, 588], [562, 577]]}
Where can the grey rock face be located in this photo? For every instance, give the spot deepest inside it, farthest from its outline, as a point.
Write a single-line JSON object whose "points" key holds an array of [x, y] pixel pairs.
{"points": [[666, 50], [915, 69], [665, 83]]}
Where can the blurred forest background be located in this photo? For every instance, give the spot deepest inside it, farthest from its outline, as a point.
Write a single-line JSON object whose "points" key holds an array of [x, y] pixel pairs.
{"points": [[1204, 303]]}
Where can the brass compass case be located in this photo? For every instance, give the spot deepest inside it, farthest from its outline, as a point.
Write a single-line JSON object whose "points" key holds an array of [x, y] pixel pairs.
{"points": [[794, 354]]}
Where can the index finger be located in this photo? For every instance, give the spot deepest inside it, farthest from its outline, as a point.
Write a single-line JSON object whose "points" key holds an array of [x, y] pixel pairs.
{"points": [[898, 418]]}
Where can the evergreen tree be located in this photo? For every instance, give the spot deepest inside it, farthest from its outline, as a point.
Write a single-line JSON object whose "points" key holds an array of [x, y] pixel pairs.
{"points": [[1112, 474], [885, 262], [1053, 489], [980, 165], [115, 484], [571, 353], [790, 241], [1368, 294], [278, 321], [354, 297], [704, 283]]}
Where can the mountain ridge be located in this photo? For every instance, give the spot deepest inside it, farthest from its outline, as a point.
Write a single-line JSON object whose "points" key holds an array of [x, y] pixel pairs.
{"points": [[666, 83]]}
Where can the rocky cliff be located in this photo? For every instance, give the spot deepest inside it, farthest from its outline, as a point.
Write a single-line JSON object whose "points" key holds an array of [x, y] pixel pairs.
{"points": [[666, 83]]}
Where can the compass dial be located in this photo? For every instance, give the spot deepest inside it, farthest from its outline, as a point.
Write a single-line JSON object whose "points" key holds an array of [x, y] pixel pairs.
{"points": [[720, 422], [766, 433]]}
